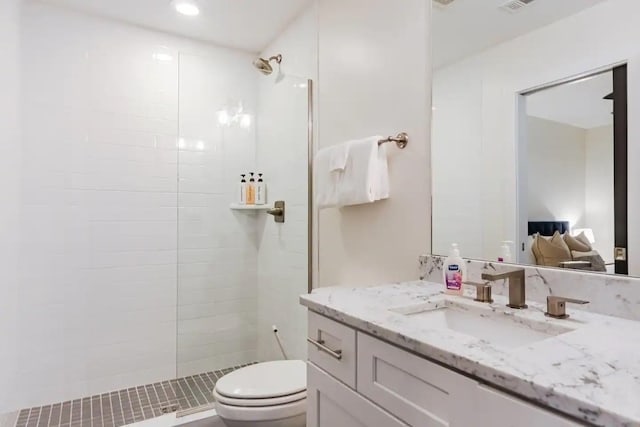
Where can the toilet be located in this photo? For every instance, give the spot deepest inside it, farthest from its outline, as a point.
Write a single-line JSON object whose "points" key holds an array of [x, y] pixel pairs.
{"points": [[269, 394]]}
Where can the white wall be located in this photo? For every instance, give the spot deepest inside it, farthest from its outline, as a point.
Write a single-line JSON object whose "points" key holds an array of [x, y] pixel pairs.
{"points": [[283, 158], [556, 172], [374, 72], [596, 37], [10, 160], [217, 247], [599, 208], [97, 293]]}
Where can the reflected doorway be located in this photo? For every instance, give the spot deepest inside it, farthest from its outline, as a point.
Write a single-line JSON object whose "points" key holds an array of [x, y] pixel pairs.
{"points": [[572, 174]]}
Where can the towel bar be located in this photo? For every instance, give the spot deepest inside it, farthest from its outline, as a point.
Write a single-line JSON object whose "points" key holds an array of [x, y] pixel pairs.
{"points": [[401, 140]]}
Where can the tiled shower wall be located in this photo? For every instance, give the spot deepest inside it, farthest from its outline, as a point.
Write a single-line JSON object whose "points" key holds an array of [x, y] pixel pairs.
{"points": [[10, 159], [217, 270], [95, 301]]}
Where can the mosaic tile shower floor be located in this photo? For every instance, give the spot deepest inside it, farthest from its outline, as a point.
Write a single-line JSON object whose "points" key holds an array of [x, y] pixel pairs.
{"points": [[127, 406]]}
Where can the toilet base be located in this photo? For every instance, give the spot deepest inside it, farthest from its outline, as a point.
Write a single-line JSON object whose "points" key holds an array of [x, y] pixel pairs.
{"points": [[297, 421]]}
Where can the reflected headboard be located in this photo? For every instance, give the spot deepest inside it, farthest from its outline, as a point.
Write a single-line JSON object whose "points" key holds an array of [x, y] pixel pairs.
{"points": [[548, 228]]}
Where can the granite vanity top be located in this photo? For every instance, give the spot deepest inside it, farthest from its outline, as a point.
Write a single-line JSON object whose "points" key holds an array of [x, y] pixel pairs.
{"points": [[591, 373]]}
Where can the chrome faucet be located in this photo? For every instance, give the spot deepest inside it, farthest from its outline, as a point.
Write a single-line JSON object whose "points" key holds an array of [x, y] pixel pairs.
{"points": [[516, 279]]}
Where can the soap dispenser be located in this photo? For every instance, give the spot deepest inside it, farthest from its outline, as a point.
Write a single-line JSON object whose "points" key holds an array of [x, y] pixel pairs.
{"points": [[261, 191], [454, 271], [242, 190], [251, 190], [505, 252]]}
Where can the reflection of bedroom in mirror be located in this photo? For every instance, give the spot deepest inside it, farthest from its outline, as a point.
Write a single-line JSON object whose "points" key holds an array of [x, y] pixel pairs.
{"points": [[529, 132], [566, 177]]}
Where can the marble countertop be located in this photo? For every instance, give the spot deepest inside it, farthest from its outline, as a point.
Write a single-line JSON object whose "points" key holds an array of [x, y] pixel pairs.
{"points": [[591, 373]]}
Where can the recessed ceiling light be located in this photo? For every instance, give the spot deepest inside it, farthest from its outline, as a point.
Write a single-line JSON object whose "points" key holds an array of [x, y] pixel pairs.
{"points": [[186, 7]]}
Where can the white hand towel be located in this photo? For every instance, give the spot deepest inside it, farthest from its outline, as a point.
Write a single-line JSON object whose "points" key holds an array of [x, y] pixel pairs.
{"points": [[338, 157], [329, 167], [383, 174], [366, 176]]}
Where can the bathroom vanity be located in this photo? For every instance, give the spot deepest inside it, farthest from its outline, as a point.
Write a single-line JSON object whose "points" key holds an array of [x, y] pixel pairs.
{"points": [[407, 355]]}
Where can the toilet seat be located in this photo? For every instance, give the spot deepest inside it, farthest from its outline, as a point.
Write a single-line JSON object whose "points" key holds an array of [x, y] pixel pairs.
{"points": [[281, 400]]}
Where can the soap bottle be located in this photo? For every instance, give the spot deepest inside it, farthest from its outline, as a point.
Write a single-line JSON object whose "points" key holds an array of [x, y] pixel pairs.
{"points": [[505, 252], [261, 191], [242, 190], [454, 271], [251, 190]]}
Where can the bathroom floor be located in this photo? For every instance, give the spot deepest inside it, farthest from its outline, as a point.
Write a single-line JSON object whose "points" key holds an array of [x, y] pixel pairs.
{"points": [[127, 406]]}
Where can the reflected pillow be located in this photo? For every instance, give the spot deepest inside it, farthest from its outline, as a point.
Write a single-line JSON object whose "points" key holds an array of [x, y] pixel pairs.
{"points": [[529, 257], [550, 252], [576, 244], [582, 238]]}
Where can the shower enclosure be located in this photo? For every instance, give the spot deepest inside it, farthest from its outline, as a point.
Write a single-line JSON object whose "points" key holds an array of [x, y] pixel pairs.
{"points": [[239, 272], [133, 281]]}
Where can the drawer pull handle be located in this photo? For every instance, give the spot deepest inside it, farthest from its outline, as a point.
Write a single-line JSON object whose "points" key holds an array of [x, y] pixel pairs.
{"points": [[336, 354]]}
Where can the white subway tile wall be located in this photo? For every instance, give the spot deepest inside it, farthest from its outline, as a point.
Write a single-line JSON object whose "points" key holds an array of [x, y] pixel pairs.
{"points": [[128, 249], [217, 247], [101, 221], [10, 173]]}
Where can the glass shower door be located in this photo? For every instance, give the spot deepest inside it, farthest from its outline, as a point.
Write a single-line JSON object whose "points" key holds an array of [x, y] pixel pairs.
{"points": [[239, 272]]}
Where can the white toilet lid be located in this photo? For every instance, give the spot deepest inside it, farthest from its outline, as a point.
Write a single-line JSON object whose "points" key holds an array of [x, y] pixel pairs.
{"points": [[264, 380]]}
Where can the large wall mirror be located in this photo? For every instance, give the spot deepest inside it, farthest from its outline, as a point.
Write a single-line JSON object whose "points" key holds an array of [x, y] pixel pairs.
{"points": [[533, 136]]}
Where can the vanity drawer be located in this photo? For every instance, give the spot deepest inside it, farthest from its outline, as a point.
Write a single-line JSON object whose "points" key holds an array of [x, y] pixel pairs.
{"points": [[332, 347], [415, 390]]}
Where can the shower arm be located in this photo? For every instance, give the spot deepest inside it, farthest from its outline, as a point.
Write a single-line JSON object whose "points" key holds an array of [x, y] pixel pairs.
{"points": [[277, 58]]}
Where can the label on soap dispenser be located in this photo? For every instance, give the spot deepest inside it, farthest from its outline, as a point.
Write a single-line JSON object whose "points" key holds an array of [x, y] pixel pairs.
{"points": [[453, 277]]}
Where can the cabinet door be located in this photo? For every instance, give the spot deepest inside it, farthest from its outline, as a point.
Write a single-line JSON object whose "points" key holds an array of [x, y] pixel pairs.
{"points": [[417, 391], [332, 404], [500, 410]]}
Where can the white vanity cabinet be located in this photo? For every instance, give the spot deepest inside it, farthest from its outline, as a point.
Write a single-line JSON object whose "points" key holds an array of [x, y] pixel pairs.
{"points": [[356, 380]]}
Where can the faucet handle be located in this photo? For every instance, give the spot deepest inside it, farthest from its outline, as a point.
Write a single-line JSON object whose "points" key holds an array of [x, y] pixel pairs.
{"points": [[556, 306], [483, 291]]}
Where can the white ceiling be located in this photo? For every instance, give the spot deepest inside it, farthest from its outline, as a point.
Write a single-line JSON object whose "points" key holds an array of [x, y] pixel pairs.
{"points": [[242, 24], [469, 26], [578, 104]]}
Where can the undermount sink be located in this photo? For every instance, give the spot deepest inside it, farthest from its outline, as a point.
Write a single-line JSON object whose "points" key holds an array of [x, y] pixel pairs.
{"points": [[501, 327]]}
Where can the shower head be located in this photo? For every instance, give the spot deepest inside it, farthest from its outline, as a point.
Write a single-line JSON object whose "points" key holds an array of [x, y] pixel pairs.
{"points": [[264, 65]]}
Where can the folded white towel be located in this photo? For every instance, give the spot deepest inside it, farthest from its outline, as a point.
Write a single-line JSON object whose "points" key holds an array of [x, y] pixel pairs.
{"points": [[366, 176], [338, 157], [329, 165]]}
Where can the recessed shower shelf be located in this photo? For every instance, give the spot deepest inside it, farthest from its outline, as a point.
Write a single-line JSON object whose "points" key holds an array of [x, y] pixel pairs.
{"points": [[238, 207]]}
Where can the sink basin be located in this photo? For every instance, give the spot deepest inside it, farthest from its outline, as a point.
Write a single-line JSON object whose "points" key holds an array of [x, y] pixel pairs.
{"points": [[501, 327]]}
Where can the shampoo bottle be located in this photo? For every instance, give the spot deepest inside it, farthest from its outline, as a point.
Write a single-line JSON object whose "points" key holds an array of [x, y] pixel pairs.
{"points": [[242, 191], [251, 190], [455, 271], [261, 191]]}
